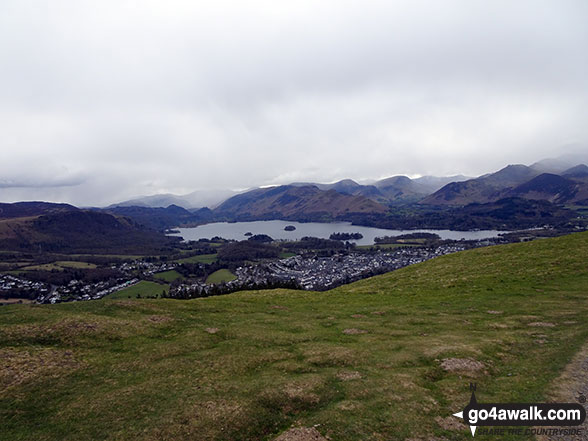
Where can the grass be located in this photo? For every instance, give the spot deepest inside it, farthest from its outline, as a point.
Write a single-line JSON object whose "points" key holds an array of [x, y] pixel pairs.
{"points": [[60, 266], [284, 255], [202, 258], [247, 366], [168, 276], [143, 288], [220, 276]]}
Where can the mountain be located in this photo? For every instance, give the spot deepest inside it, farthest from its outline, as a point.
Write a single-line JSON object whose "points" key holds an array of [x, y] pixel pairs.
{"points": [[430, 184], [162, 218], [396, 189], [64, 228], [294, 202], [552, 188], [196, 199], [486, 188], [578, 172]]}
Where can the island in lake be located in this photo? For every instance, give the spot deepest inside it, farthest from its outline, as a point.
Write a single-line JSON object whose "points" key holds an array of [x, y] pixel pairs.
{"points": [[289, 228], [346, 236]]}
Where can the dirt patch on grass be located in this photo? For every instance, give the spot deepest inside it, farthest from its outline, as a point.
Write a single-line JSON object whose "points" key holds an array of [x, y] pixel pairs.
{"points": [[378, 313], [542, 324], [354, 331], [19, 366], [212, 330], [462, 365], [348, 375], [159, 318], [301, 434], [358, 316], [450, 423], [494, 312]]}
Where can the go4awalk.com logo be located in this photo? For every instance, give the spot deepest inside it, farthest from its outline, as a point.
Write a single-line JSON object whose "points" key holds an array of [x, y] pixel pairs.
{"points": [[561, 418]]}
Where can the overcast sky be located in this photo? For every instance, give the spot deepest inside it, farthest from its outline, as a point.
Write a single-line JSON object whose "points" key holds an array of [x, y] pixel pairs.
{"points": [[104, 100]]}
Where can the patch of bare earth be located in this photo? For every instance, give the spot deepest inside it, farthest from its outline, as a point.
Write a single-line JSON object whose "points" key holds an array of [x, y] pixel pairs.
{"points": [[301, 434], [450, 423], [569, 387], [19, 366], [494, 312], [354, 331], [348, 375], [542, 324], [159, 318], [212, 330], [358, 316], [378, 313], [462, 365]]}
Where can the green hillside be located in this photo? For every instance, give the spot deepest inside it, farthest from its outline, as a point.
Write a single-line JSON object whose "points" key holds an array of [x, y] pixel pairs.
{"points": [[385, 358]]}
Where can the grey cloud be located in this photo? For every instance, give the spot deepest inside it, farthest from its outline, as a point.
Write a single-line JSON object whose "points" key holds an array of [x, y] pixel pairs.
{"points": [[145, 97]]}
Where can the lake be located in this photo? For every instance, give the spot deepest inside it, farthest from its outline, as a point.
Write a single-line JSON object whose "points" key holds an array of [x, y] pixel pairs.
{"points": [[275, 229]]}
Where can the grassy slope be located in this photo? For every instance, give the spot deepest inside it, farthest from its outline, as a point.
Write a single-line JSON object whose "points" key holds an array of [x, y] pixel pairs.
{"points": [[147, 369], [168, 276], [143, 288], [221, 275]]}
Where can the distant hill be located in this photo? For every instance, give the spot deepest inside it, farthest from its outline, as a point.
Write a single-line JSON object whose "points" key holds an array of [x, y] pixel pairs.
{"points": [[396, 189], [163, 218], [25, 209], [579, 171], [62, 228], [550, 187], [516, 181], [293, 202], [196, 199], [484, 189]]}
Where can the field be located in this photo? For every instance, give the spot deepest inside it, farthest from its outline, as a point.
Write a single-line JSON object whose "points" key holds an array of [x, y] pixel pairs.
{"points": [[222, 275], [386, 358], [143, 288], [60, 266], [168, 276], [203, 258]]}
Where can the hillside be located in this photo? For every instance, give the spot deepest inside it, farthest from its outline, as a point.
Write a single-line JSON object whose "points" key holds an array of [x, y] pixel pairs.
{"points": [[63, 228], [552, 188], [386, 358], [162, 218], [292, 202], [487, 188]]}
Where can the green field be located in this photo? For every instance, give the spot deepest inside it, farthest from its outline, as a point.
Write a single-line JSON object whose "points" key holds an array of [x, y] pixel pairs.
{"points": [[168, 276], [284, 255], [202, 258], [220, 276], [60, 266], [143, 288], [360, 362]]}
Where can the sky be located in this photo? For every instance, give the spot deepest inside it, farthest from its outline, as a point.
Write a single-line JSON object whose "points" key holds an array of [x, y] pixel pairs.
{"points": [[104, 101]]}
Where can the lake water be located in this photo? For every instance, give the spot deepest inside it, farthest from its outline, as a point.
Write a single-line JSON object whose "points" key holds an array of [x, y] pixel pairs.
{"points": [[275, 229]]}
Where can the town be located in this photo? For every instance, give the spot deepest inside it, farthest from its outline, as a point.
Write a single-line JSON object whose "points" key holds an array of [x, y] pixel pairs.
{"points": [[307, 269]]}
